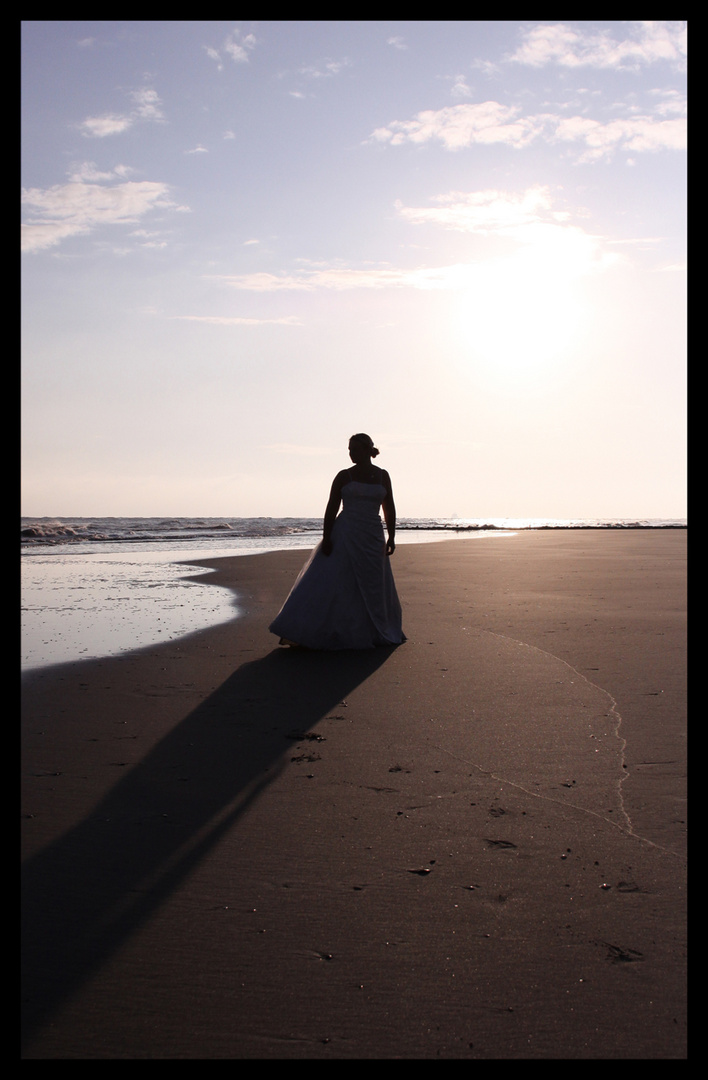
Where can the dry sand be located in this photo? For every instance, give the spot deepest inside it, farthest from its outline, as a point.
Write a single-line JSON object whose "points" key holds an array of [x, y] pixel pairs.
{"points": [[471, 846]]}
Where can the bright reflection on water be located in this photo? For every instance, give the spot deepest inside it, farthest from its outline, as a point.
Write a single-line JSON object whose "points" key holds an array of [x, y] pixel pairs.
{"points": [[86, 605], [77, 607]]}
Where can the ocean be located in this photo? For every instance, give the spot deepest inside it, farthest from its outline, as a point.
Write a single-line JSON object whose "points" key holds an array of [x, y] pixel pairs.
{"points": [[97, 587]]}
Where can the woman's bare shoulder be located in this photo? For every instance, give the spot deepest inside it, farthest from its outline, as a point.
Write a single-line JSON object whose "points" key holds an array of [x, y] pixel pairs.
{"points": [[341, 479]]}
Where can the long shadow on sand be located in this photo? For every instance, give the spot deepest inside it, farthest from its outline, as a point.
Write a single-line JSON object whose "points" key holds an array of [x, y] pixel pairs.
{"points": [[89, 890]]}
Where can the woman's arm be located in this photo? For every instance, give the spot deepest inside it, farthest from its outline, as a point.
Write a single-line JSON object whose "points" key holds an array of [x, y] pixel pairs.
{"points": [[389, 512], [331, 511]]}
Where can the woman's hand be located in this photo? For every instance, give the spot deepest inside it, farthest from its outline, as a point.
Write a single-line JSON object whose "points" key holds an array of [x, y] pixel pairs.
{"points": [[390, 546], [326, 547]]}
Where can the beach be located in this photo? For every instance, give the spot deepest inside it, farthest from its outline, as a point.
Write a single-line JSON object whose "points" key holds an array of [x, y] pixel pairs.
{"points": [[469, 846]]}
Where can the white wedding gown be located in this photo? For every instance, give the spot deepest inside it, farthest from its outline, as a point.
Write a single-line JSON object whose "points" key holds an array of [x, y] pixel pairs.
{"points": [[347, 599]]}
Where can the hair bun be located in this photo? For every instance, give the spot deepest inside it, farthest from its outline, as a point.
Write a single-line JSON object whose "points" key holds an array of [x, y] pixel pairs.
{"points": [[366, 441]]}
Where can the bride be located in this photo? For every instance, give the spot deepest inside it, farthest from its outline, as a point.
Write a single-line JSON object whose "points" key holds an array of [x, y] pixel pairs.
{"points": [[345, 596]]}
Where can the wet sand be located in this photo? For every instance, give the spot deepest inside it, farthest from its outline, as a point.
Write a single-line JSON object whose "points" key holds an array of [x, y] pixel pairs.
{"points": [[470, 846]]}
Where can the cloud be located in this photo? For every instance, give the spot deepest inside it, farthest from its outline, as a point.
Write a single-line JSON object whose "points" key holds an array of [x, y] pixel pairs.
{"points": [[87, 172], [637, 133], [485, 212], [458, 126], [569, 251], [236, 46], [461, 126], [79, 207], [97, 127], [529, 218], [647, 43], [672, 102], [147, 107], [37, 235], [147, 104], [326, 69], [460, 89], [426, 278], [213, 54], [487, 67], [339, 278], [397, 43], [541, 236]]}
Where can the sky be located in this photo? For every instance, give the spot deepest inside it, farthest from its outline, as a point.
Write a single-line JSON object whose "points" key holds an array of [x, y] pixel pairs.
{"points": [[243, 242]]}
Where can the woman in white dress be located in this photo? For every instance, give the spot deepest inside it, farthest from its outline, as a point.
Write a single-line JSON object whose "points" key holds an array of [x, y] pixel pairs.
{"points": [[345, 596]]}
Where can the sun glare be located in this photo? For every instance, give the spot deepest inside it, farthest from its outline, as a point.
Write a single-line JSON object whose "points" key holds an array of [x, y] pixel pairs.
{"points": [[520, 315], [519, 324]]}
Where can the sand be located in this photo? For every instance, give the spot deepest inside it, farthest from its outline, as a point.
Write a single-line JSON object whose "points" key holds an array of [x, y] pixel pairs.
{"points": [[470, 846]]}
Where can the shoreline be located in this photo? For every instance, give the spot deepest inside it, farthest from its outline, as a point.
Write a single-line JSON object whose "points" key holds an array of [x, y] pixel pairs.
{"points": [[236, 851], [534, 528]]}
